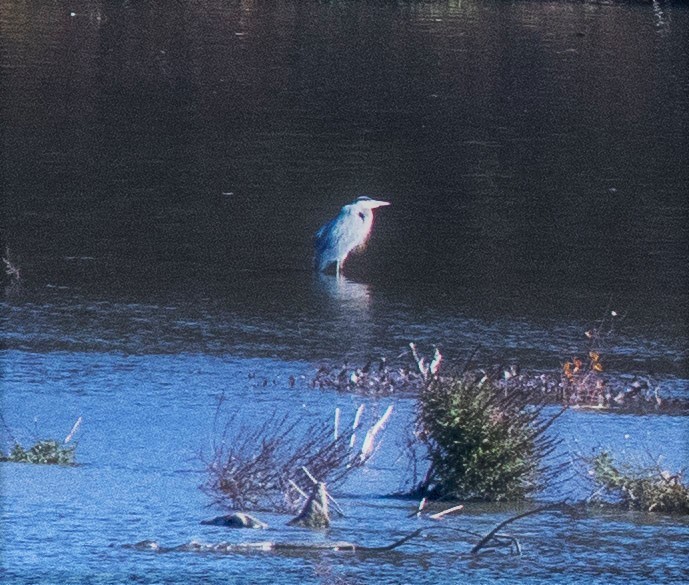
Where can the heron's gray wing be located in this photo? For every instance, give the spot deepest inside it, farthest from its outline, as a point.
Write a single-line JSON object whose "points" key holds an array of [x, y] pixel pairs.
{"points": [[338, 237], [347, 232], [325, 252]]}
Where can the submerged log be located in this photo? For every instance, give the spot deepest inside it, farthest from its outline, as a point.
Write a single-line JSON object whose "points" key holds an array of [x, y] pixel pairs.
{"points": [[226, 547], [315, 511]]}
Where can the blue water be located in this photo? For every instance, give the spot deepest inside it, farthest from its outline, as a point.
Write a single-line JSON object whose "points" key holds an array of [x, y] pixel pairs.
{"points": [[148, 426], [166, 166]]}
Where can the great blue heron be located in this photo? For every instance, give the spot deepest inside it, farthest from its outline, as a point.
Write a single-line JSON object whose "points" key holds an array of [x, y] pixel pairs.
{"points": [[348, 231]]}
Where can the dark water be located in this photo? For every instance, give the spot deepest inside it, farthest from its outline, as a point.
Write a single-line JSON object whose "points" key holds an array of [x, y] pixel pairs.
{"points": [[165, 166]]}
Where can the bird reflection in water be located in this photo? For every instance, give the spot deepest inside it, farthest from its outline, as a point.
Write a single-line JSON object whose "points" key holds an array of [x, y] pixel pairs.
{"points": [[349, 295]]}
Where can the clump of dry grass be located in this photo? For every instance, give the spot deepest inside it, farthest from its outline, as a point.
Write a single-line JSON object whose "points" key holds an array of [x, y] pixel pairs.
{"points": [[272, 465]]}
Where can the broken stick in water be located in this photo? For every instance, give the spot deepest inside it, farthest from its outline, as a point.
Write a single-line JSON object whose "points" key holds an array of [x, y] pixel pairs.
{"points": [[439, 515], [494, 533]]}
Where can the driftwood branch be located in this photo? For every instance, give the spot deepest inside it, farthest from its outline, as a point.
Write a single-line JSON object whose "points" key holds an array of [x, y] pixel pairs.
{"points": [[315, 511], [482, 543], [394, 545]]}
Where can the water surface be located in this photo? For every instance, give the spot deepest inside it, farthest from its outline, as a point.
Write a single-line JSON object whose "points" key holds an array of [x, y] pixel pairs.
{"points": [[165, 168]]}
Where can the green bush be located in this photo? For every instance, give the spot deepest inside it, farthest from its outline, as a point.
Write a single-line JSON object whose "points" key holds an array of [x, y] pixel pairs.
{"points": [[650, 489], [44, 452], [482, 443]]}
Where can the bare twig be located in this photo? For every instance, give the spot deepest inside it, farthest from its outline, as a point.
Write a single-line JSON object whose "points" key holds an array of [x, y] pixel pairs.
{"points": [[482, 543]]}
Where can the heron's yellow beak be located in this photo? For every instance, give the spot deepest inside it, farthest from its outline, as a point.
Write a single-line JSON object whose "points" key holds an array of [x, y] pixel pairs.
{"points": [[372, 204]]}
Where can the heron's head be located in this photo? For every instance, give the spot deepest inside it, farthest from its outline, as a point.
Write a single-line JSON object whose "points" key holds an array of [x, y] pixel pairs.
{"points": [[368, 203]]}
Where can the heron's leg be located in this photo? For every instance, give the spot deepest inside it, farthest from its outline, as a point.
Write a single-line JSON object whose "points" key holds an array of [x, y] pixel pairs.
{"points": [[337, 269]]}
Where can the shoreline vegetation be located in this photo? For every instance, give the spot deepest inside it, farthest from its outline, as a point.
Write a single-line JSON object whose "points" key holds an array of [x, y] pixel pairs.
{"points": [[583, 380], [478, 435], [481, 434], [479, 441], [573, 386]]}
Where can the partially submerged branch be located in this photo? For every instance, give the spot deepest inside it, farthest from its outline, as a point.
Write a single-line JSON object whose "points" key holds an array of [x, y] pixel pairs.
{"points": [[453, 510], [315, 511], [494, 532]]}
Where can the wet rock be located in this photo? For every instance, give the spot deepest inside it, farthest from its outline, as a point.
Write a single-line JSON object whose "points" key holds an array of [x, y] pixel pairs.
{"points": [[237, 520], [315, 511], [146, 545]]}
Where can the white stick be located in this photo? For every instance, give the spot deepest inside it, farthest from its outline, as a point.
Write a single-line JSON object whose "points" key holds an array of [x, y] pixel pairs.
{"points": [[355, 425], [75, 428], [357, 417], [301, 492], [435, 364], [308, 474], [367, 446], [337, 423], [439, 515]]}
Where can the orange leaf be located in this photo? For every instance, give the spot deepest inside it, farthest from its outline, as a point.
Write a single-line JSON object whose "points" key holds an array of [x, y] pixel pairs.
{"points": [[567, 369]]}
